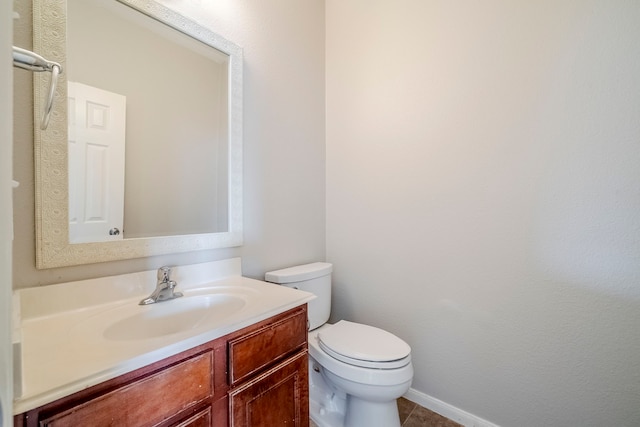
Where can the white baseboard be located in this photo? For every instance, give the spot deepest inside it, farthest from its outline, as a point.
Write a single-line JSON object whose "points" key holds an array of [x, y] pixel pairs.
{"points": [[446, 410]]}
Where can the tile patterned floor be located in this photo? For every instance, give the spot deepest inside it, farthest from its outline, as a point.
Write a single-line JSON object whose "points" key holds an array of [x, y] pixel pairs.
{"points": [[414, 415]]}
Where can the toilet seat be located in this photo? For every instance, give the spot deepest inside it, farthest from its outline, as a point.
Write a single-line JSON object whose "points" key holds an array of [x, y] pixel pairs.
{"points": [[359, 374], [364, 346]]}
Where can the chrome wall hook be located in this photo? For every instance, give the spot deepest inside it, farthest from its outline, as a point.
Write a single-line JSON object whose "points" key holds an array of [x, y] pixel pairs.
{"points": [[28, 60]]}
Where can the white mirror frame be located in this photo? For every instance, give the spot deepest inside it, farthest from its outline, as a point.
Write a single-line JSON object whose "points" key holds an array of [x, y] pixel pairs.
{"points": [[50, 150]]}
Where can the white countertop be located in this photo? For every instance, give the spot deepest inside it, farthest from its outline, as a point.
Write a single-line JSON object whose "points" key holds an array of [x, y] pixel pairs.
{"points": [[64, 338]]}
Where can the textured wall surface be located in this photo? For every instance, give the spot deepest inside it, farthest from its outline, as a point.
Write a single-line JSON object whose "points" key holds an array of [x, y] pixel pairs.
{"points": [[483, 170], [284, 152]]}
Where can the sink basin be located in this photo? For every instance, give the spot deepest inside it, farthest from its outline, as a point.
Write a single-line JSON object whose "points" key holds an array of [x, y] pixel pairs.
{"points": [[173, 316]]}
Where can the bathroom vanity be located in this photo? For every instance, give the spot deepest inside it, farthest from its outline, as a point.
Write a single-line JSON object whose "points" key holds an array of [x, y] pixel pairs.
{"points": [[248, 367]]}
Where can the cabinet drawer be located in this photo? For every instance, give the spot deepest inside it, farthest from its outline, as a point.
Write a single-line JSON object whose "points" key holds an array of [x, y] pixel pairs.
{"points": [[267, 345], [147, 401]]}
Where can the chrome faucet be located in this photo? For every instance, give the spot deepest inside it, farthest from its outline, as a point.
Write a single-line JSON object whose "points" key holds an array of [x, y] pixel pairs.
{"points": [[165, 288]]}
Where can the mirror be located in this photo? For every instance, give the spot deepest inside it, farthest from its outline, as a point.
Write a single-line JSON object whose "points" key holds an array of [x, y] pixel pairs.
{"points": [[182, 180], [147, 127]]}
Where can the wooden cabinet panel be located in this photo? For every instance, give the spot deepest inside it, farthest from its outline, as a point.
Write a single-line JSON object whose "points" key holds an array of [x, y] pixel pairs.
{"points": [[146, 402], [279, 397], [200, 419], [252, 352]]}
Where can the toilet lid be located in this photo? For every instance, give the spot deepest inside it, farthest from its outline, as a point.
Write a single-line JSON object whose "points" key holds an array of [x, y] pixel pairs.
{"points": [[364, 345]]}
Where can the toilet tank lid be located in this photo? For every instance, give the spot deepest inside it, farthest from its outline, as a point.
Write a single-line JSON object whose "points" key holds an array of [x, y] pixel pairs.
{"points": [[299, 273]]}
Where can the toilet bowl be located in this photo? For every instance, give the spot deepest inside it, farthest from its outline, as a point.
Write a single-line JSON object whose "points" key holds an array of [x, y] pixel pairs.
{"points": [[370, 393], [356, 371]]}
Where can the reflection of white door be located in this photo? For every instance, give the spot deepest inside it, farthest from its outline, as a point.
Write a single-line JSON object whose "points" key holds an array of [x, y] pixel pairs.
{"points": [[96, 164]]}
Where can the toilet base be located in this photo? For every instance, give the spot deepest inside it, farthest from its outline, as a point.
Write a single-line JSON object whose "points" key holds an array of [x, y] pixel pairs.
{"points": [[332, 407], [327, 406], [362, 413], [325, 417]]}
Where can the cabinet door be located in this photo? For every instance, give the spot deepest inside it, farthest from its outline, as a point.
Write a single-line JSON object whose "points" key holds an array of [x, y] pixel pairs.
{"points": [[279, 397]]}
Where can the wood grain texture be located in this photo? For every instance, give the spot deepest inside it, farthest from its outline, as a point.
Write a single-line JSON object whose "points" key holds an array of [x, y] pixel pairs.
{"points": [[148, 401], [267, 345], [278, 397]]}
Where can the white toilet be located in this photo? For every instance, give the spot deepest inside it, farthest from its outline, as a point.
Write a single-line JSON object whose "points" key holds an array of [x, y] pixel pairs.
{"points": [[356, 372]]}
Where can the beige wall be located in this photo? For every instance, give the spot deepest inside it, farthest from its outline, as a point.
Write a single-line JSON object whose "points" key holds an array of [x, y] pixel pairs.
{"points": [[483, 161], [284, 177]]}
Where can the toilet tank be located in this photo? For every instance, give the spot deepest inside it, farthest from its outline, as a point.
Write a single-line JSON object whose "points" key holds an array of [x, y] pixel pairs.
{"points": [[314, 278]]}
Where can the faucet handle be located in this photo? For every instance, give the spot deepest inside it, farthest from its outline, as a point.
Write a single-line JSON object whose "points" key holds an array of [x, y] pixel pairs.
{"points": [[163, 274]]}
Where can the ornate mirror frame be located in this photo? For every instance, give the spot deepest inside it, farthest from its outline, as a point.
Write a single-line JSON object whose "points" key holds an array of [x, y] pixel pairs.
{"points": [[50, 150]]}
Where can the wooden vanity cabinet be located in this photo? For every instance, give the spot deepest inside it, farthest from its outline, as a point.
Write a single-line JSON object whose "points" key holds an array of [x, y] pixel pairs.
{"points": [[254, 377]]}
